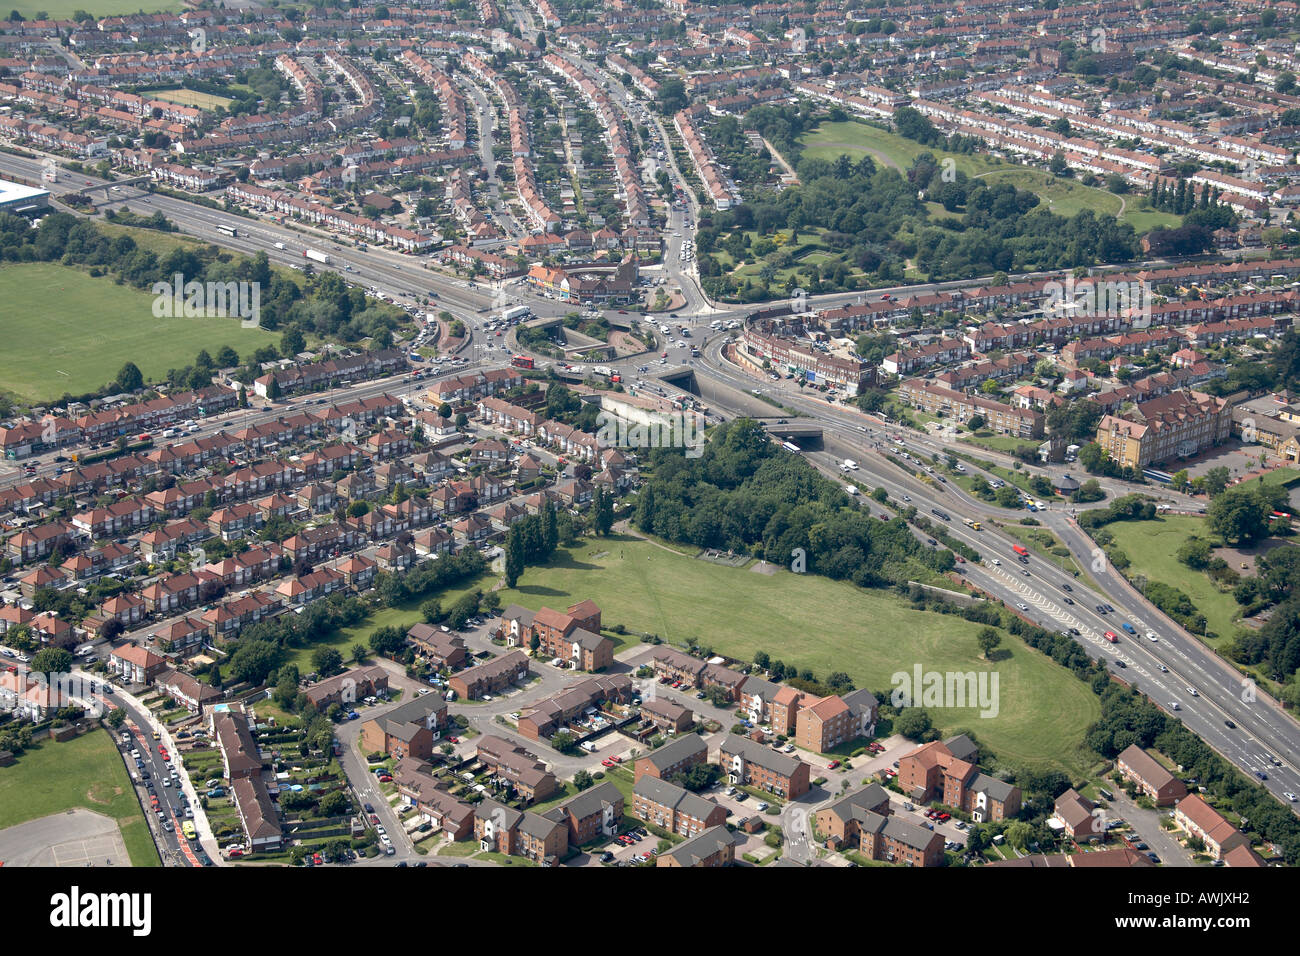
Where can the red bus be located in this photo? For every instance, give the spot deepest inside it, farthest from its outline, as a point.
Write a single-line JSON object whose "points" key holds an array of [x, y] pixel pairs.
{"points": [[1020, 550], [521, 361], [1112, 637]]}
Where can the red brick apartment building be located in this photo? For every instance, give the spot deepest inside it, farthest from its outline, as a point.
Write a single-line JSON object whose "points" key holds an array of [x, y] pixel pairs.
{"points": [[1152, 779], [673, 808], [574, 637], [673, 758], [677, 666], [409, 730], [944, 771], [714, 847], [862, 819], [755, 765], [490, 677]]}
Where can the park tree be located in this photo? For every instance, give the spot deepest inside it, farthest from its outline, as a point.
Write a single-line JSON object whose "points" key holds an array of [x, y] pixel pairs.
{"points": [[514, 556], [129, 378], [912, 723], [582, 780], [326, 660], [1215, 480], [1241, 514], [988, 638]]}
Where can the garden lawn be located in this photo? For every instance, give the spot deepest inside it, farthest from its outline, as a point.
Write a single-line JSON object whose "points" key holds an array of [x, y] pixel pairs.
{"points": [[819, 624], [83, 772]]}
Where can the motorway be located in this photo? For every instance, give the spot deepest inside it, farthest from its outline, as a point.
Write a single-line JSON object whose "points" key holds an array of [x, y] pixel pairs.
{"points": [[1221, 693], [1261, 725]]}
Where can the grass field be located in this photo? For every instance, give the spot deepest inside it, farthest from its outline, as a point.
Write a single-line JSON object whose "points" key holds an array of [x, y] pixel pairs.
{"points": [[1151, 546], [870, 635], [204, 101], [67, 332], [1063, 196], [84, 772], [64, 9]]}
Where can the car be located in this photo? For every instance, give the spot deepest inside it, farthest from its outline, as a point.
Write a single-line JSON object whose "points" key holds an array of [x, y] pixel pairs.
{"points": [[1069, 600], [1066, 587], [1100, 609], [1163, 669], [1230, 725], [1192, 691], [1022, 606], [1261, 774], [832, 765], [1290, 796], [1120, 664], [1139, 845], [368, 808], [1152, 637]]}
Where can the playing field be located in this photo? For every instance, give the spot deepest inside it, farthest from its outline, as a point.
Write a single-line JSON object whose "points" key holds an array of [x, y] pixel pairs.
{"points": [[823, 625], [66, 332], [84, 772], [1152, 547], [64, 9], [1063, 196], [204, 101]]}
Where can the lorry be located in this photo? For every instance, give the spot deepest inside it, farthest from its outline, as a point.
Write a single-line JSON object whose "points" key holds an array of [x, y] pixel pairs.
{"points": [[518, 312], [316, 256], [279, 245], [602, 370]]}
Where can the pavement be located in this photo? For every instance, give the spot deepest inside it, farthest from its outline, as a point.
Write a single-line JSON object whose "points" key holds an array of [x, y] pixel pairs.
{"points": [[76, 837]]}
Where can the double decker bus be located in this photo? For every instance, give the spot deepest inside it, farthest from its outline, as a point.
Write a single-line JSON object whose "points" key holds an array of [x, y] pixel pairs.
{"points": [[522, 361]]}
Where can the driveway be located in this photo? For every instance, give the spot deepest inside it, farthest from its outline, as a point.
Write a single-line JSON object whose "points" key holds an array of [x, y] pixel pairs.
{"points": [[1146, 827]]}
